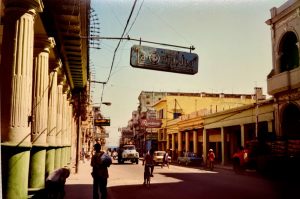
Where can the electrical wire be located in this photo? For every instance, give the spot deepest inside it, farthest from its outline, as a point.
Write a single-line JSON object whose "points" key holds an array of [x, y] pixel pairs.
{"points": [[115, 52], [135, 18]]}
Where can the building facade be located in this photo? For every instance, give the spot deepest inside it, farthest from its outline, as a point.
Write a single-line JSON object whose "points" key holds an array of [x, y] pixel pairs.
{"points": [[160, 108], [44, 67], [182, 116], [284, 78]]}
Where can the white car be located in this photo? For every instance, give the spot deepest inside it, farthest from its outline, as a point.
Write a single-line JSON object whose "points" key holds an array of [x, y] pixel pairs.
{"points": [[128, 153]]}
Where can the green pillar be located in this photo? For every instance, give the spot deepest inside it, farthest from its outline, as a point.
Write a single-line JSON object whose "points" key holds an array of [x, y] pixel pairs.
{"points": [[69, 155], [57, 163], [16, 86], [63, 157], [50, 160], [37, 168], [42, 47], [52, 116], [15, 167]]}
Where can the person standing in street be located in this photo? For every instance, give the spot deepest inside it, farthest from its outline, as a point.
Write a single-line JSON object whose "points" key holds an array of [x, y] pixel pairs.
{"points": [[99, 173], [166, 159]]}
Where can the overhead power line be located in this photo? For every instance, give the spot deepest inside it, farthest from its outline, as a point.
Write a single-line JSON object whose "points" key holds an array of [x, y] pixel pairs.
{"points": [[135, 18], [115, 52]]}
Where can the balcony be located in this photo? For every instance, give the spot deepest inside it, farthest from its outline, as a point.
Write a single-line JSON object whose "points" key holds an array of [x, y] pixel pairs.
{"points": [[284, 81]]}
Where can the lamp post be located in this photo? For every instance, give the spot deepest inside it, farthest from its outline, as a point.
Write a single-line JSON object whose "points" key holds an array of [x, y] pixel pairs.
{"points": [[98, 116]]}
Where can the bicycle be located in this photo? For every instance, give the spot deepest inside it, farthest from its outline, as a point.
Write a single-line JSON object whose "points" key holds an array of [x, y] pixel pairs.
{"points": [[147, 175]]}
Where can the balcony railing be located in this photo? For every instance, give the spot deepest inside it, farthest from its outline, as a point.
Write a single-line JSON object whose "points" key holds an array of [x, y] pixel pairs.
{"points": [[284, 81]]}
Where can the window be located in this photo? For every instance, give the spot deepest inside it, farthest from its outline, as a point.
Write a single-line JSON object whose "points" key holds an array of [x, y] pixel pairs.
{"points": [[288, 51], [161, 114], [176, 115]]}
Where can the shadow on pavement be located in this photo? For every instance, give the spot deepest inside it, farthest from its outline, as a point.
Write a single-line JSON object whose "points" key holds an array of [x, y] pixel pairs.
{"points": [[79, 191], [206, 185]]}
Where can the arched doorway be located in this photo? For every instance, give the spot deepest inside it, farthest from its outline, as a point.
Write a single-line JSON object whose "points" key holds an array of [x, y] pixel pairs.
{"points": [[291, 121], [289, 52]]}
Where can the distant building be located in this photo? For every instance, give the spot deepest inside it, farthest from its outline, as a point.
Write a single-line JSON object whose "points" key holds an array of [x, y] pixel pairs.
{"points": [[166, 106], [176, 107]]}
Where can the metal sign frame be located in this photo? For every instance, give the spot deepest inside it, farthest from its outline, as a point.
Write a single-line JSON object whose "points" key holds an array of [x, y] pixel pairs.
{"points": [[102, 122], [163, 60]]}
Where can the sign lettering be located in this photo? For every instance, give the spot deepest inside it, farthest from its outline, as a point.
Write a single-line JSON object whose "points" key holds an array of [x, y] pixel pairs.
{"points": [[163, 60]]}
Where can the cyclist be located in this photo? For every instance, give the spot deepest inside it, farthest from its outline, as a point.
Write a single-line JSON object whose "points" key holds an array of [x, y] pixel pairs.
{"points": [[148, 162]]}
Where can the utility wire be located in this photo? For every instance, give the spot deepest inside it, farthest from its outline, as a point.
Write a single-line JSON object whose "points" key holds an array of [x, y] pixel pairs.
{"points": [[115, 52], [135, 18]]}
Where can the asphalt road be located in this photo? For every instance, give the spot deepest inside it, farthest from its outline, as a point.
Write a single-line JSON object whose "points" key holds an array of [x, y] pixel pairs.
{"points": [[177, 182]]}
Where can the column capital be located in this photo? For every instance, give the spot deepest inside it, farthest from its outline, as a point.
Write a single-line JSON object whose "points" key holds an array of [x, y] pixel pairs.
{"points": [[43, 44], [61, 78], [55, 65], [66, 89], [37, 5]]}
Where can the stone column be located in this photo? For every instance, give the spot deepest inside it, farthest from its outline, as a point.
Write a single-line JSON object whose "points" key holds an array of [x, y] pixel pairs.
{"points": [[69, 135], [242, 135], [40, 113], [168, 142], [57, 163], [195, 141], [187, 141], [173, 146], [223, 145], [16, 86], [64, 129], [270, 126], [179, 143], [52, 117], [204, 145]]}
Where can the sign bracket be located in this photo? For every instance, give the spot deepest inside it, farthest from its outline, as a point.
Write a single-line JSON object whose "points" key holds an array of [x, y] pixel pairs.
{"points": [[139, 40]]}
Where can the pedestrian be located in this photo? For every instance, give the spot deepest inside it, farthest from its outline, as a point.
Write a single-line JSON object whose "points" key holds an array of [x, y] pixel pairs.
{"points": [[210, 159], [55, 183], [166, 159], [100, 161], [83, 155]]}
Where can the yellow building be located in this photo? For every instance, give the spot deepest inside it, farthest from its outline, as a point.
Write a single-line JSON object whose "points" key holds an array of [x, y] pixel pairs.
{"points": [[185, 111], [222, 131]]}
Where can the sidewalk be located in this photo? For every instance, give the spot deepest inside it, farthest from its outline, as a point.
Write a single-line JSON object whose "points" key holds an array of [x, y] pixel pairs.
{"points": [[80, 185]]}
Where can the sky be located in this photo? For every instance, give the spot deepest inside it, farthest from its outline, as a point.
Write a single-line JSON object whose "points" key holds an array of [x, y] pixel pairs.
{"points": [[230, 37]]}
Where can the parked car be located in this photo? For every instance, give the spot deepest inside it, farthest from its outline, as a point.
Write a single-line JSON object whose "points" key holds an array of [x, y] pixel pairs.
{"points": [[158, 157], [189, 158]]}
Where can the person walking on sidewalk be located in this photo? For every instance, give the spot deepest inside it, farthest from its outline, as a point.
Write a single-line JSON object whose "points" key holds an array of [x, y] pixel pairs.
{"points": [[210, 159], [100, 162]]}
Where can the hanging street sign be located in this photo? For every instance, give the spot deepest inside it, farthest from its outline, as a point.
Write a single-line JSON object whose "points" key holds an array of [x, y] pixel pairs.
{"points": [[151, 123], [102, 122], [163, 60], [102, 135]]}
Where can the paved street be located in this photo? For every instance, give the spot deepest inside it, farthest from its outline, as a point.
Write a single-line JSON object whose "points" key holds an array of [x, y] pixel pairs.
{"points": [[126, 180]]}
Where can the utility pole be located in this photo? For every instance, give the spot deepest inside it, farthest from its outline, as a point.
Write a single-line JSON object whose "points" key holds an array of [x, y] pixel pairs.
{"points": [[256, 113]]}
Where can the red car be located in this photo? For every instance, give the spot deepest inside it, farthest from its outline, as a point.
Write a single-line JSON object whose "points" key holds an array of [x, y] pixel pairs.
{"points": [[245, 158]]}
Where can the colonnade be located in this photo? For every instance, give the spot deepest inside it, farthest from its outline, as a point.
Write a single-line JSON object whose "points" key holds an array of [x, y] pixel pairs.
{"points": [[36, 109], [229, 140]]}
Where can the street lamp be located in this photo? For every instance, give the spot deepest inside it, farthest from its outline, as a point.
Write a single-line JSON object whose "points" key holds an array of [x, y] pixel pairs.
{"points": [[105, 103]]}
